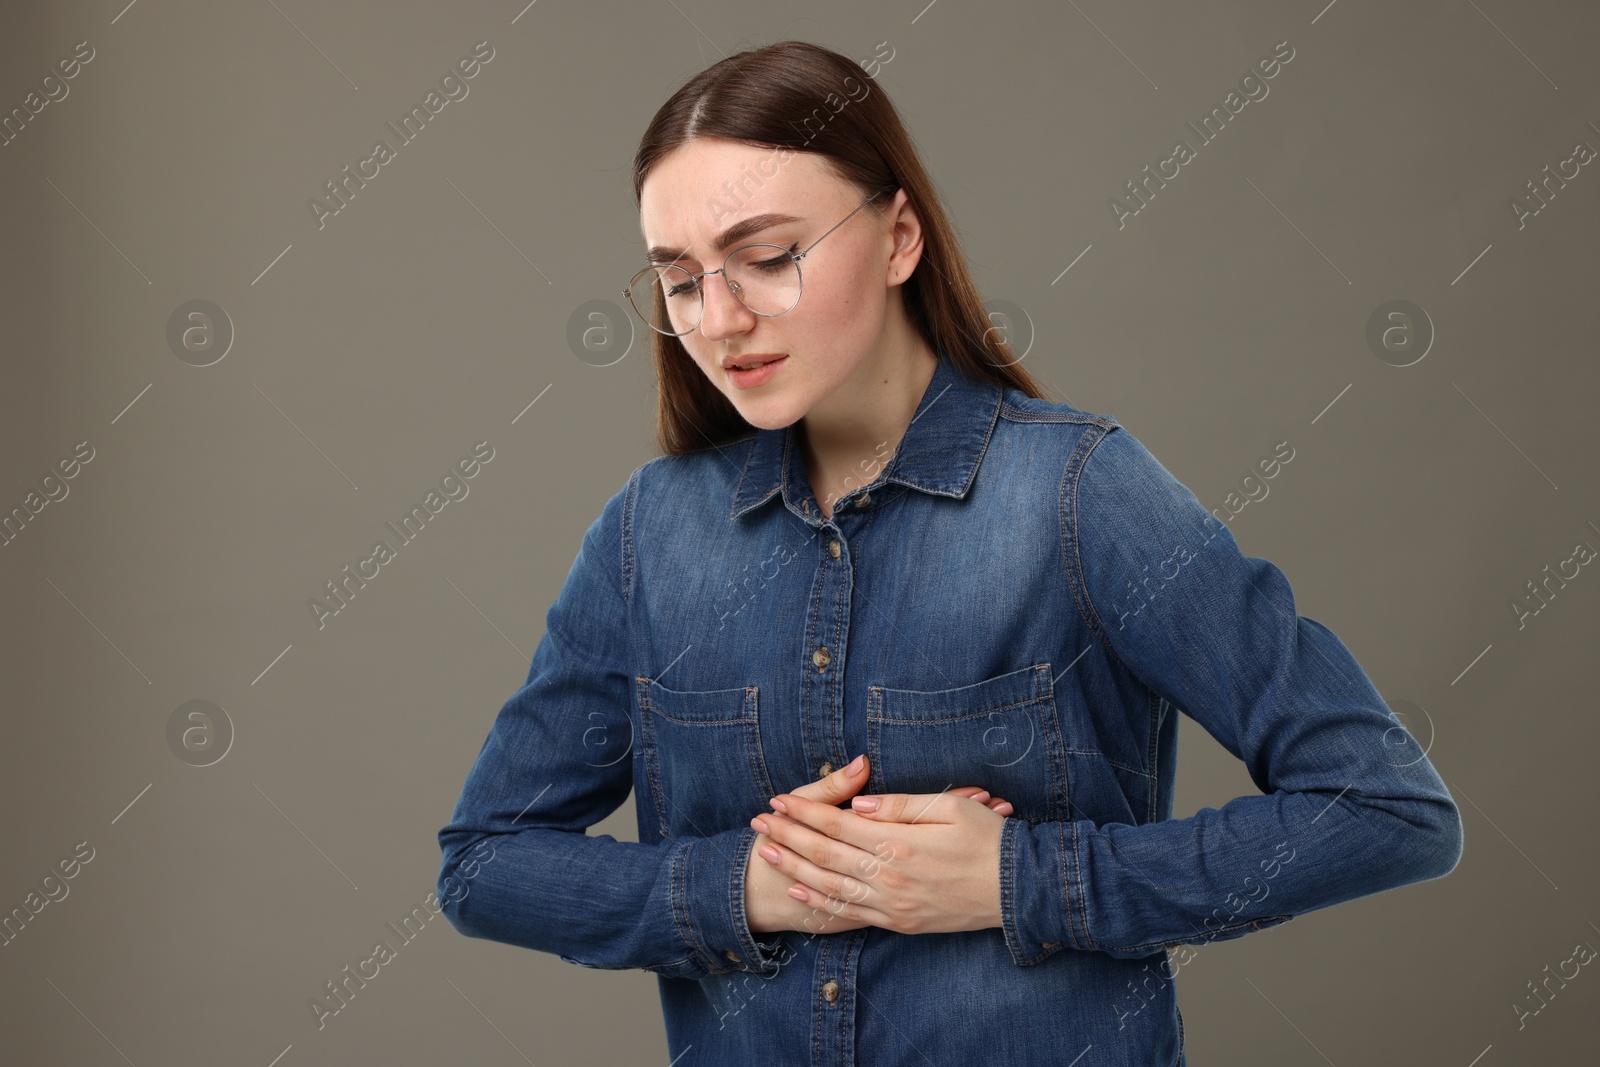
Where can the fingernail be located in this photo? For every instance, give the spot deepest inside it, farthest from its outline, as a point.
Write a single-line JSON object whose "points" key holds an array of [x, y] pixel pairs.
{"points": [[796, 892], [864, 803], [760, 824], [981, 795], [779, 805], [855, 765], [770, 853]]}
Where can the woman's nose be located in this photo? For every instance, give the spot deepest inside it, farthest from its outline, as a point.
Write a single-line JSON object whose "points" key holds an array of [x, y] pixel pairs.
{"points": [[722, 313]]}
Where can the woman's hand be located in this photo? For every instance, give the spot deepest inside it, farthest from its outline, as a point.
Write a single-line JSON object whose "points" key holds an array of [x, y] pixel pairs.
{"points": [[768, 905], [919, 863]]}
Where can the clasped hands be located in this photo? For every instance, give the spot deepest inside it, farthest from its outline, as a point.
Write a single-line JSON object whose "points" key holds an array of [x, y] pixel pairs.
{"points": [[907, 862]]}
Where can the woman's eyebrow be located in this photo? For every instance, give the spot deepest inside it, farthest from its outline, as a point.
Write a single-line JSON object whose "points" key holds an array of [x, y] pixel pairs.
{"points": [[726, 239]]}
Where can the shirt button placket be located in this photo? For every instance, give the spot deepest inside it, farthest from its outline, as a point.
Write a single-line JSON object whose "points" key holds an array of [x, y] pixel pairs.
{"points": [[830, 741]]}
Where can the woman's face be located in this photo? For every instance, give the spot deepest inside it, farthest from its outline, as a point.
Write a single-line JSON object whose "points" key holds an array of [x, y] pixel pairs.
{"points": [[707, 185]]}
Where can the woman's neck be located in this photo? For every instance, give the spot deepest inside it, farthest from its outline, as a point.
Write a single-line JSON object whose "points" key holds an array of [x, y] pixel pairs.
{"points": [[846, 440]]}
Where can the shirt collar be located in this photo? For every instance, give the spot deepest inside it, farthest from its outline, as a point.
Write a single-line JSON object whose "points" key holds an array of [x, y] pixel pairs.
{"points": [[938, 454]]}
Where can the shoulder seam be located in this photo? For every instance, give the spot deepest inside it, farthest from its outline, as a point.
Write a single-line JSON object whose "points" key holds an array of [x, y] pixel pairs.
{"points": [[630, 494], [1015, 414], [1070, 546]]}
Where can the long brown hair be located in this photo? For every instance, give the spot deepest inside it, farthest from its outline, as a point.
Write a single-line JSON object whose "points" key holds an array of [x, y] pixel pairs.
{"points": [[804, 97]]}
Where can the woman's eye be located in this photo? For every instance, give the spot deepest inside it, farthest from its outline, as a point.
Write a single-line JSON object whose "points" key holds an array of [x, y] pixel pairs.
{"points": [[779, 262]]}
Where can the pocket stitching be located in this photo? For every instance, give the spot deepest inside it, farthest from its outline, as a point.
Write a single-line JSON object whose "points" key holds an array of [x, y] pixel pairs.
{"points": [[646, 702], [964, 714], [748, 718], [1010, 677], [1059, 800]]}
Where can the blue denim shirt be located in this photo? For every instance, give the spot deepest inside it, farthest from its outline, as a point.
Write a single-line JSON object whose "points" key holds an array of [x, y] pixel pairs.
{"points": [[1021, 599]]}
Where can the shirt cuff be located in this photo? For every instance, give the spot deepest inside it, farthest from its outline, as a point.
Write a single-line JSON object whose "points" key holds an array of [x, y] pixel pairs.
{"points": [[710, 894], [1041, 890]]}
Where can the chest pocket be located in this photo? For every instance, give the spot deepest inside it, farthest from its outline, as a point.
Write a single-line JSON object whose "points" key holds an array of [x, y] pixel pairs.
{"points": [[702, 754], [1001, 734]]}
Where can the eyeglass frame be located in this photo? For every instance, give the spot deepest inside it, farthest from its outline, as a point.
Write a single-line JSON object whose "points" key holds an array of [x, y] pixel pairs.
{"points": [[732, 286]]}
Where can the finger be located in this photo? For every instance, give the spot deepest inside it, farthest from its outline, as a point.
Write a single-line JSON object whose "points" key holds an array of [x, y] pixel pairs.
{"points": [[827, 914], [819, 850], [844, 886], [825, 908], [837, 824], [838, 786], [905, 807]]}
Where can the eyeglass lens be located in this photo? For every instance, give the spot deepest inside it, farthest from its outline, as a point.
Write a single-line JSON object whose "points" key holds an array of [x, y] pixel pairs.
{"points": [[766, 278]]}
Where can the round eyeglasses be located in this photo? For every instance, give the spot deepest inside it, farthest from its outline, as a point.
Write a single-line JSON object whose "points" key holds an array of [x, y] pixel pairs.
{"points": [[764, 277]]}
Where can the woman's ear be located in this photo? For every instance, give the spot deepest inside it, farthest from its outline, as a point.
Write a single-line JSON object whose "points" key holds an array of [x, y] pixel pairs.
{"points": [[907, 244]]}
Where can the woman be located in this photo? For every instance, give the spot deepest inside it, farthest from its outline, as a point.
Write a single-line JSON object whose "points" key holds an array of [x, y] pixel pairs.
{"points": [[885, 542]]}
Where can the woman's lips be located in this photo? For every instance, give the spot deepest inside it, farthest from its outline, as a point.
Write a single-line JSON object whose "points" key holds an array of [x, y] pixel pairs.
{"points": [[749, 379]]}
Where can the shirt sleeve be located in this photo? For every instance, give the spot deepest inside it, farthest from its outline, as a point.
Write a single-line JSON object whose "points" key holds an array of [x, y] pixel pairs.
{"points": [[1349, 804], [557, 760]]}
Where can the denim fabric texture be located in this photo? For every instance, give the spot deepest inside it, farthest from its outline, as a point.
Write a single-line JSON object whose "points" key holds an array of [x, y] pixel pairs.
{"points": [[1023, 598]]}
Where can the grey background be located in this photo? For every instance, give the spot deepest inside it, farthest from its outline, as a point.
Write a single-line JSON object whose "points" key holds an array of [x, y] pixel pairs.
{"points": [[1229, 315]]}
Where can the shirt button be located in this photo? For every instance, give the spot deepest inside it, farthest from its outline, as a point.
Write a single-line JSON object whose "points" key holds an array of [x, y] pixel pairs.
{"points": [[820, 657], [830, 991], [732, 955], [863, 500], [824, 770], [833, 548]]}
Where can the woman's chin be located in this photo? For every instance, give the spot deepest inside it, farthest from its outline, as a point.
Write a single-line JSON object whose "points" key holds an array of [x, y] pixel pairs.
{"points": [[773, 414]]}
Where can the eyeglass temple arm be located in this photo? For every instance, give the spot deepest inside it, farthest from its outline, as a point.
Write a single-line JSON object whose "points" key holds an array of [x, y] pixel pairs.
{"points": [[798, 256], [807, 250]]}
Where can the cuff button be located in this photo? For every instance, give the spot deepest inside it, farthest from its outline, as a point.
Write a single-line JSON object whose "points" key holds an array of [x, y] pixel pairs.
{"points": [[732, 955]]}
